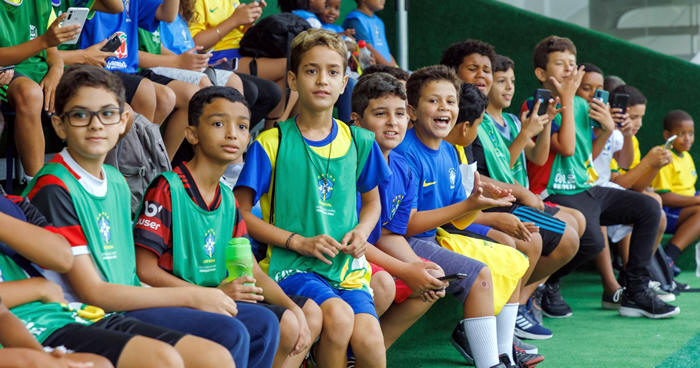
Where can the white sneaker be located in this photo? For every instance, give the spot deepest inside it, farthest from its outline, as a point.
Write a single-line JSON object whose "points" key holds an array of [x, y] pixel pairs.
{"points": [[662, 294]]}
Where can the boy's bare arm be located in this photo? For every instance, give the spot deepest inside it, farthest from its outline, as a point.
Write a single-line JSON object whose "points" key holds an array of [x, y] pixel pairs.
{"points": [[92, 55], [13, 334], [245, 14], [149, 272], [321, 246], [53, 36], [47, 249], [640, 177], [188, 60], [52, 77], [91, 289], [108, 6], [15, 293], [564, 142], [676, 200], [167, 11], [414, 272]]}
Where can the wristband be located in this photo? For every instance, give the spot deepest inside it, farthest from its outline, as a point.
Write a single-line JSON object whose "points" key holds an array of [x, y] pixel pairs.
{"points": [[289, 239]]}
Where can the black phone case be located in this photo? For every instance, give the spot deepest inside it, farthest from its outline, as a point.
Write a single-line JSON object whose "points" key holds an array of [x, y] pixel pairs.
{"points": [[112, 45]]}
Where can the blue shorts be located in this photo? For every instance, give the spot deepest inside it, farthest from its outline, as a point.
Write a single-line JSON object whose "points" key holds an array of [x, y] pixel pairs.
{"points": [[479, 229], [314, 286], [672, 214]]}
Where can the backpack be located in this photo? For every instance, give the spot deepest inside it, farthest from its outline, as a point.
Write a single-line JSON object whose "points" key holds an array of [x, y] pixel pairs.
{"points": [[272, 36], [140, 156]]}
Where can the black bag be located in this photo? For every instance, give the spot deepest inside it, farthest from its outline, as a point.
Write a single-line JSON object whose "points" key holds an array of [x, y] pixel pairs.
{"points": [[661, 272], [272, 36]]}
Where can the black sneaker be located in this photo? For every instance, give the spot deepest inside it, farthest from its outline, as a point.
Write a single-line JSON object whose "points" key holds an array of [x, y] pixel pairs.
{"points": [[612, 302], [553, 304], [524, 359], [504, 362], [459, 341], [644, 303]]}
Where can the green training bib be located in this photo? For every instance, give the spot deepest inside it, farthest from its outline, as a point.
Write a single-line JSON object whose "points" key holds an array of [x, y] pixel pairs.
{"points": [[496, 151], [200, 236], [311, 202], [104, 220]]}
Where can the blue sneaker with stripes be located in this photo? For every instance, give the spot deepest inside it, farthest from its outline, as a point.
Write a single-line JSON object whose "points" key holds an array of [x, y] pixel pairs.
{"points": [[526, 327]]}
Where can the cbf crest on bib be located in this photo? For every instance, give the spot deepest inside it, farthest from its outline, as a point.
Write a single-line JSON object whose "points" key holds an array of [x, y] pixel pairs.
{"points": [[325, 186], [210, 242], [105, 227]]}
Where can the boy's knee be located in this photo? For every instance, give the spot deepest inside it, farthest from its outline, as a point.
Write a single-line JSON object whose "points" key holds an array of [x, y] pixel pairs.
{"points": [[314, 316], [233, 336], [383, 285], [205, 82], [483, 279], [289, 331], [569, 243], [166, 356], [27, 97], [367, 337], [338, 320], [216, 357], [533, 248], [165, 99]]}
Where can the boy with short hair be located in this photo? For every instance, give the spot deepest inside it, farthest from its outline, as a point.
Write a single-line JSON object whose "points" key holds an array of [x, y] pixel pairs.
{"points": [[676, 185], [88, 202], [194, 207], [433, 96], [370, 28], [569, 182], [379, 104], [316, 241], [41, 307]]}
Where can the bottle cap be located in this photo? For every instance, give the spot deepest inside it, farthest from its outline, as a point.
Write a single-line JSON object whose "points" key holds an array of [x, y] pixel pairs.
{"points": [[238, 248], [361, 43]]}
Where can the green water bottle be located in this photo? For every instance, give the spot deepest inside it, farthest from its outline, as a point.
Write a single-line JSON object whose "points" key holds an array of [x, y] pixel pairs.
{"points": [[239, 259]]}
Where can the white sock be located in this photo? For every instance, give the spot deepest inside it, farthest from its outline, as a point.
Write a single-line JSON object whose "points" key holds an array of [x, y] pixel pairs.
{"points": [[505, 325], [481, 333]]}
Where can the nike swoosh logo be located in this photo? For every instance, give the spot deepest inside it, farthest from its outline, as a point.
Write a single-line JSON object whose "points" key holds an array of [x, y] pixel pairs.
{"points": [[213, 10], [426, 184]]}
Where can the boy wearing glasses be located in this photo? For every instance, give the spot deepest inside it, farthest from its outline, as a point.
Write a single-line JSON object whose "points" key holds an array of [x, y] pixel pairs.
{"points": [[88, 203]]}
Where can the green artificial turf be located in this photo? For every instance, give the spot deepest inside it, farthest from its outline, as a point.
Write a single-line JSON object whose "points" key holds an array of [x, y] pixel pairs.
{"points": [[592, 337]]}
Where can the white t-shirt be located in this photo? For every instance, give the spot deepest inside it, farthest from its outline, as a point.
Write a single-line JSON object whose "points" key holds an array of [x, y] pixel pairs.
{"points": [[602, 162]]}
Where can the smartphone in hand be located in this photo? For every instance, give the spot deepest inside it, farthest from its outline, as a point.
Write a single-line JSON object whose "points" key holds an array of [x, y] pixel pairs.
{"points": [[543, 95], [75, 16], [602, 96], [669, 142], [453, 277]]}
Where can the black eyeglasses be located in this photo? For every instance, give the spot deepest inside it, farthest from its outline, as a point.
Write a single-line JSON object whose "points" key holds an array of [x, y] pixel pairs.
{"points": [[82, 118]]}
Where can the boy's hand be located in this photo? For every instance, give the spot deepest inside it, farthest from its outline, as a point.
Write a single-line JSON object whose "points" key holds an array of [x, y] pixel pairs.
{"points": [[193, 60], [212, 300], [246, 14], [57, 35], [552, 109], [50, 291], [511, 225], [432, 295], [417, 276], [49, 84], [6, 77], [94, 56], [354, 243], [501, 197], [534, 124], [658, 157], [530, 199], [600, 112], [242, 293], [567, 88], [304, 338], [321, 246]]}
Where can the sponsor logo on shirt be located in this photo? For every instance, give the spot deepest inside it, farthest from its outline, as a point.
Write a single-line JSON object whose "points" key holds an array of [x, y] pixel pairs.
{"points": [[213, 10], [151, 209], [153, 225], [210, 242], [33, 32], [122, 51], [427, 184]]}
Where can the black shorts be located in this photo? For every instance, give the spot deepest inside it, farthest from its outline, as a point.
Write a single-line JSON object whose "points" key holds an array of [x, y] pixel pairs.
{"points": [[279, 310], [455, 230], [132, 80], [551, 228], [108, 336]]}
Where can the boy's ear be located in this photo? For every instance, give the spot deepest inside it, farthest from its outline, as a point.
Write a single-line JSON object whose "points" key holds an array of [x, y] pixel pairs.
{"points": [[356, 118], [667, 134], [411, 112], [59, 126], [541, 74], [191, 134], [465, 128], [292, 80]]}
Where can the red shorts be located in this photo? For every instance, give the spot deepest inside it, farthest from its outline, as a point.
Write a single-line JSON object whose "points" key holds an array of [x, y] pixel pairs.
{"points": [[402, 290]]}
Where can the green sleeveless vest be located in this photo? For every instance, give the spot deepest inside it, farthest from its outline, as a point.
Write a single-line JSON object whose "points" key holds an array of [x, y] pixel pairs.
{"points": [[41, 319], [200, 236], [105, 222], [310, 206], [496, 151], [519, 169]]}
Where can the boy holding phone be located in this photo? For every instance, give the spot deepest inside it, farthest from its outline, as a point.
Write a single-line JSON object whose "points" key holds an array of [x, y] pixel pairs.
{"points": [[676, 185], [570, 182]]}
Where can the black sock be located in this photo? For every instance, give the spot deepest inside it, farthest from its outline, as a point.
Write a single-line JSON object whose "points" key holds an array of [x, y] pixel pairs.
{"points": [[672, 251]]}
